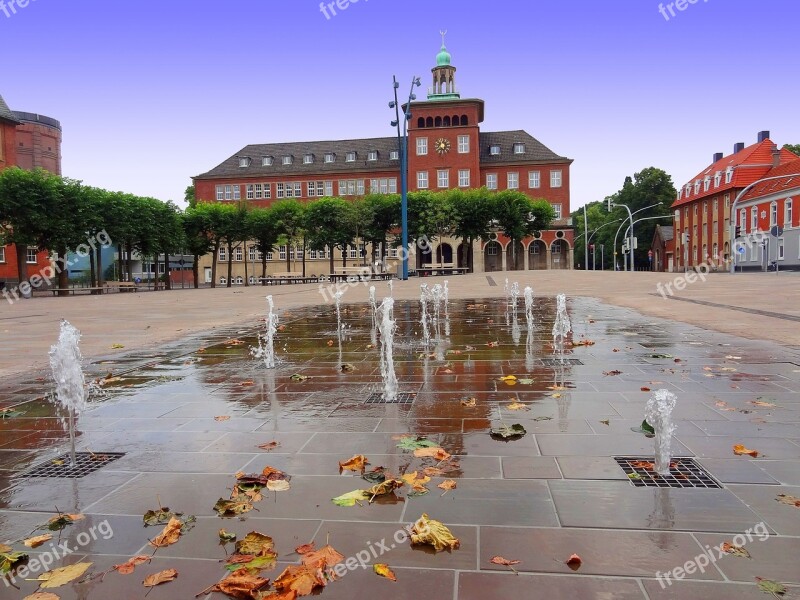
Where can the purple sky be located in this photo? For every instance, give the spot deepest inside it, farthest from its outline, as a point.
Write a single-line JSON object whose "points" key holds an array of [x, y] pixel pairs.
{"points": [[151, 93]]}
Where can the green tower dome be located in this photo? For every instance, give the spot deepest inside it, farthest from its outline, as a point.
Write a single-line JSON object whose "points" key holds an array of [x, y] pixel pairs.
{"points": [[443, 58]]}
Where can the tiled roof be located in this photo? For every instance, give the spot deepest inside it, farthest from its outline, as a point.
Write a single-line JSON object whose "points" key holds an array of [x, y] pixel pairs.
{"points": [[535, 151], [748, 165], [667, 232], [6, 114], [778, 185]]}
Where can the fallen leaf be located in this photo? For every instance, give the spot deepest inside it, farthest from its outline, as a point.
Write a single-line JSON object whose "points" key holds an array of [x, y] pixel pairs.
{"points": [[240, 584], [347, 368], [280, 485], [517, 406], [63, 575], [226, 537], [299, 578], [605, 422], [233, 342], [509, 378], [525, 381], [37, 541], [58, 522], [643, 464], [222, 418], [305, 548], [493, 344], [762, 403], [376, 475], [429, 531], [4, 548], [350, 498], [298, 377], [614, 372], [447, 485], [41, 596], [645, 389], [771, 587], [256, 544], [386, 487], [790, 500], [434, 452], [730, 548], [157, 517], [469, 402], [117, 346], [170, 534], [511, 432], [499, 560], [232, 508], [322, 559], [9, 560], [356, 463], [128, 567], [410, 442], [269, 446], [634, 476], [574, 562], [160, 577], [330, 343], [383, 570], [415, 481], [739, 450], [247, 383]]}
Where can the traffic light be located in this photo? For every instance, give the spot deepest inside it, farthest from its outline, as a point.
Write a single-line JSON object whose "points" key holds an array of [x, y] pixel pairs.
{"points": [[591, 247], [737, 232]]}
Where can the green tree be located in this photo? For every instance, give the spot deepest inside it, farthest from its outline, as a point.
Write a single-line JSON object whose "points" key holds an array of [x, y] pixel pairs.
{"points": [[518, 217], [215, 216], [198, 233], [189, 196], [472, 218], [381, 214], [263, 229], [795, 148], [290, 220], [329, 222]]}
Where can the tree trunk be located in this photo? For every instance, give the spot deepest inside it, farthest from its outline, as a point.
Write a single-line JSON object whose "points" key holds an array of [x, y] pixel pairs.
{"points": [[304, 256], [155, 274], [214, 265], [288, 255], [230, 264], [129, 264], [120, 257], [167, 273], [196, 271], [344, 254], [63, 276], [246, 278], [99, 252], [92, 272], [263, 267]]}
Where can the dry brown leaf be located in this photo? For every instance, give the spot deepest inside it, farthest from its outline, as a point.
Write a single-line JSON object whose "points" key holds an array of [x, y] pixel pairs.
{"points": [[739, 450], [269, 446], [170, 534], [517, 406], [762, 403], [128, 567], [429, 531], [305, 548], [278, 485], [62, 576], [240, 584], [37, 541], [323, 558], [356, 463], [383, 570], [330, 343], [787, 499], [434, 452], [614, 372], [447, 485], [300, 579], [469, 402], [42, 596], [160, 577], [730, 548], [222, 418], [499, 560], [272, 473]]}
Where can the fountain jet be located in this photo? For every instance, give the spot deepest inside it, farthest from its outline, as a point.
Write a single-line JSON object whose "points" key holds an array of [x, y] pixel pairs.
{"points": [[387, 327], [658, 413], [65, 363]]}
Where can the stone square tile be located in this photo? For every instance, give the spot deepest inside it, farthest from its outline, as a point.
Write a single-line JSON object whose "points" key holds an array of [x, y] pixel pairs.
{"points": [[762, 500], [602, 445], [150, 441], [363, 583], [70, 495], [480, 586], [530, 467], [619, 505], [786, 472], [722, 446], [590, 467], [183, 462], [483, 444], [300, 423], [696, 589], [734, 470], [768, 555], [289, 442]]}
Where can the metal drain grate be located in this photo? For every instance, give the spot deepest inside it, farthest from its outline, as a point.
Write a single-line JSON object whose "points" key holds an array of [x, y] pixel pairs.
{"points": [[400, 398], [683, 473], [557, 362], [85, 463]]}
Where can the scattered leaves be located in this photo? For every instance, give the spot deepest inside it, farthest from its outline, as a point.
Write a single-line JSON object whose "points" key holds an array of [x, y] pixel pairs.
{"points": [[239, 584], [508, 378], [63, 575], [37, 541], [232, 508], [644, 388], [509, 432], [117, 346], [383, 570], [160, 577], [740, 450], [469, 402], [429, 531], [415, 481], [9, 560], [543, 418], [356, 463]]}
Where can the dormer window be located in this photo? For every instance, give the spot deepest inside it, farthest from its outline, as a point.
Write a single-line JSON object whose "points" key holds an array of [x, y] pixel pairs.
{"points": [[308, 159], [244, 161], [494, 150], [267, 161], [680, 193], [287, 160], [717, 178], [706, 183], [350, 157], [372, 155], [728, 174], [394, 155], [697, 187], [688, 190], [330, 157], [519, 148]]}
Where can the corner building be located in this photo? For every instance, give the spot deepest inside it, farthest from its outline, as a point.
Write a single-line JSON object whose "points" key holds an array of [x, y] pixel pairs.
{"points": [[446, 150]]}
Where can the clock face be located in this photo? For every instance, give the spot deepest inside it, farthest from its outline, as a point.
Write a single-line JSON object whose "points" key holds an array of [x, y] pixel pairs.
{"points": [[442, 146]]}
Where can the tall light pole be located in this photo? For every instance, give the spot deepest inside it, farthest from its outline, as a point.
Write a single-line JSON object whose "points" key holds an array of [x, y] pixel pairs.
{"points": [[610, 206], [402, 138]]}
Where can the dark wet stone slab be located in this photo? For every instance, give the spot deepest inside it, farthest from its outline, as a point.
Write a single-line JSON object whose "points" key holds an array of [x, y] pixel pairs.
{"points": [[363, 583], [479, 586], [786, 472], [722, 446], [763, 500], [530, 467], [182, 462], [602, 445], [767, 555], [736, 470], [590, 467], [663, 590], [70, 495]]}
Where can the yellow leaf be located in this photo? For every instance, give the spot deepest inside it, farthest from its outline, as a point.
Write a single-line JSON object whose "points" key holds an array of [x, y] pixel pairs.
{"points": [[160, 577], [356, 463], [383, 570], [41, 596], [37, 541], [434, 452], [509, 378], [739, 450], [279, 485], [170, 534], [447, 485], [415, 481], [429, 531], [517, 406], [63, 575]]}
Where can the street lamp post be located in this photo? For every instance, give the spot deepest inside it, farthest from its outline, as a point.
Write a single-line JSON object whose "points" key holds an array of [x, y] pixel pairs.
{"points": [[402, 138], [610, 206]]}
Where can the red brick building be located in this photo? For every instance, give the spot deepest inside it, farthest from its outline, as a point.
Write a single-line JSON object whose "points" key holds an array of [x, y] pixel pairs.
{"points": [[702, 216], [446, 150], [28, 141]]}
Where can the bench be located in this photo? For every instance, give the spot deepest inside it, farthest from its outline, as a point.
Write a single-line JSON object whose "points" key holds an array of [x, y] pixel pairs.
{"points": [[121, 286], [441, 269], [74, 290], [280, 279]]}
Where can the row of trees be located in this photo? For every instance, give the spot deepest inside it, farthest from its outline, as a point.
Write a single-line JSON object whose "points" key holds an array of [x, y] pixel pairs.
{"points": [[39, 209]]}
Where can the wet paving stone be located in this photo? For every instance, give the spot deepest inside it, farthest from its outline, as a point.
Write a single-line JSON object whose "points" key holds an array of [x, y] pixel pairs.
{"points": [[477, 586]]}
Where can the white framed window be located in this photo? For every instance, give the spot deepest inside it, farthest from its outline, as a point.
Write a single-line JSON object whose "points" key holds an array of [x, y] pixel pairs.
{"points": [[258, 191], [280, 193], [238, 254], [491, 181], [223, 254], [715, 250], [463, 144], [311, 188], [534, 248], [287, 160], [422, 146], [253, 254], [494, 150], [743, 220], [512, 181], [754, 251], [251, 191], [695, 210], [680, 193], [492, 249], [781, 249], [556, 248], [267, 190], [694, 255], [237, 192], [463, 178], [351, 187], [555, 178], [2, 254], [30, 255], [716, 204], [350, 157], [394, 155], [244, 162], [754, 219], [298, 189], [282, 252], [422, 180], [352, 252], [787, 213], [557, 209], [728, 174], [330, 157], [270, 255], [773, 214], [308, 159], [519, 148], [697, 186], [329, 188], [705, 207], [372, 155], [223, 281], [383, 186], [267, 161], [717, 178], [392, 252], [706, 183], [443, 178], [534, 179], [289, 187], [688, 190], [299, 251], [312, 254], [727, 200], [220, 192]]}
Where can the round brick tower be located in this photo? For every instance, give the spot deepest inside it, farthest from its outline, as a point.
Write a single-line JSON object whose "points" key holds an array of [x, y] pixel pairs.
{"points": [[38, 142]]}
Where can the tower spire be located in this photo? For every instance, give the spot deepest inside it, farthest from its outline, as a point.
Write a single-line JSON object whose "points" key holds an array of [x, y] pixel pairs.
{"points": [[444, 75], [444, 33]]}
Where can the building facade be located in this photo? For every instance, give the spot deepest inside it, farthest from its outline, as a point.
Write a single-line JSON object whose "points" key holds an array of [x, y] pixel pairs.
{"points": [[446, 150], [663, 249], [28, 141], [702, 210]]}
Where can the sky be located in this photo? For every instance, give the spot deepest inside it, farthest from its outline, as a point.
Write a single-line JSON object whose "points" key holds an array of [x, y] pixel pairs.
{"points": [[150, 93]]}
